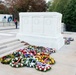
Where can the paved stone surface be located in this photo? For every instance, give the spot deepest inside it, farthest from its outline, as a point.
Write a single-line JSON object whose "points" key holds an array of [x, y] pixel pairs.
{"points": [[65, 60], [6, 34], [7, 27]]}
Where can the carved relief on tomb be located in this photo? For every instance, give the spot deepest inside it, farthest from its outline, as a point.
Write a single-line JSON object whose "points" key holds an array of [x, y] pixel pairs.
{"points": [[48, 22], [26, 24], [37, 25]]}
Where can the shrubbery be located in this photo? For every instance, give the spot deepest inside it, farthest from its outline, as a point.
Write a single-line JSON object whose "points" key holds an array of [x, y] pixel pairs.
{"points": [[68, 9]]}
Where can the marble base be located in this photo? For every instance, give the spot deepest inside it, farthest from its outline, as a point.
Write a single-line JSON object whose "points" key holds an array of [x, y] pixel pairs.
{"points": [[51, 42]]}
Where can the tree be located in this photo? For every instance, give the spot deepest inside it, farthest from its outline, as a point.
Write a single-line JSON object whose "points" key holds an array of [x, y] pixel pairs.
{"points": [[13, 12], [59, 5], [28, 5], [69, 17], [68, 9], [3, 9], [49, 3]]}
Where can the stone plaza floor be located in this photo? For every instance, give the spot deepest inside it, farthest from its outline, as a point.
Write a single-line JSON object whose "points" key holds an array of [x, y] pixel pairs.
{"points": [[65, 59]]}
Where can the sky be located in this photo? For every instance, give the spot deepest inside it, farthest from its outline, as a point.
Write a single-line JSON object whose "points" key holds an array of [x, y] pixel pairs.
{"points": [[47, 0]]}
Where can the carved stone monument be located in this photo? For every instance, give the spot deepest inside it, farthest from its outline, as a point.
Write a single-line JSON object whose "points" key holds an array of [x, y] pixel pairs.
{"points": [[41, 29]]}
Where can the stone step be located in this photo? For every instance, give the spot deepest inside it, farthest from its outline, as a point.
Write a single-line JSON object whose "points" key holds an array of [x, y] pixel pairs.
{"points": [[10, 45], [3, 46], [11, 51], [7, 28], [11, 48], [6, 41]]}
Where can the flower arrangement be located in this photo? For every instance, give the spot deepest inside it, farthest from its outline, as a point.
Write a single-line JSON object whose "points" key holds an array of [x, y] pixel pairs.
{"points": [[6, 59], [42, 66], [17, 62], [32, 56]]}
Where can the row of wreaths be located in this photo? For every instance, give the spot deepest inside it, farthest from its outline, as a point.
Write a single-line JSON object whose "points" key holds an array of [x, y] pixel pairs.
{"points": [[32, 56]]}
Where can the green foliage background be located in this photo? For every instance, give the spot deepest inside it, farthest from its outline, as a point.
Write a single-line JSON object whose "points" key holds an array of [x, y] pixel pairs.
{"points": [[68, 9]]}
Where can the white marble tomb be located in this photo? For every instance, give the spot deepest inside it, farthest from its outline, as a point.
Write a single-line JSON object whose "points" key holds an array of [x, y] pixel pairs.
{"points": [[41, 29]]}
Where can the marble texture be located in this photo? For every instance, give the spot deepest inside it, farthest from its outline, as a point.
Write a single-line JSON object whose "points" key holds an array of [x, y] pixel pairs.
{"points": [[41, 28]]}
